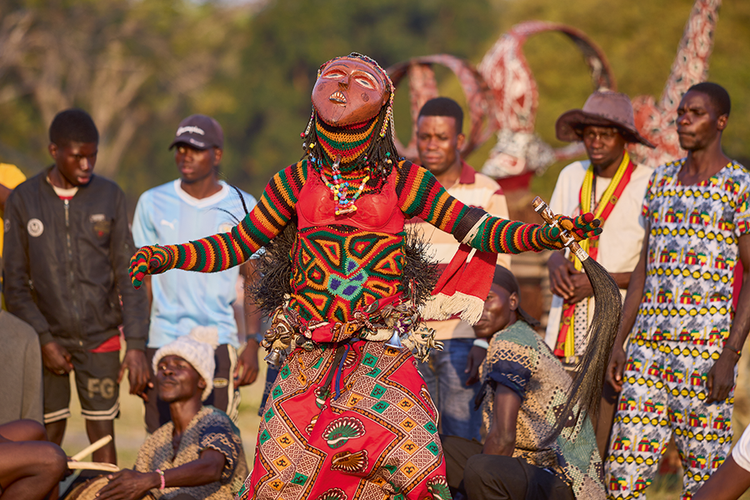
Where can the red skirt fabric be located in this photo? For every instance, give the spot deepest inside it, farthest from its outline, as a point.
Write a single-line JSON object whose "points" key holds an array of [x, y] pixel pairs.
{"points": [[357, 425]]}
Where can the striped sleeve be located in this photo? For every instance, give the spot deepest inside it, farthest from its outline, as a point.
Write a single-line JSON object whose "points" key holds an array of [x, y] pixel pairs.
{"points": [[222, 251], [421, 195]]}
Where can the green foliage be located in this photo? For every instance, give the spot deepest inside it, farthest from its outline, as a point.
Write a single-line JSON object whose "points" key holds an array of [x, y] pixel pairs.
{"points": [[290, 39], [252, 66]]}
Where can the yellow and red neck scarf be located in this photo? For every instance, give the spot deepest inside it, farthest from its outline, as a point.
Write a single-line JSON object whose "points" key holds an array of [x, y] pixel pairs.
{"points": [[565, 345]]}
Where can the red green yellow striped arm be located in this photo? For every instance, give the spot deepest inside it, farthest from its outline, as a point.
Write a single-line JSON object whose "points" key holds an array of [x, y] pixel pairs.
{"points": [[421, 195], [221, 251]]}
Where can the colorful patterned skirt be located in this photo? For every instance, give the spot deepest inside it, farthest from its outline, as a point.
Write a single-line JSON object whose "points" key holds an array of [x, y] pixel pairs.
{"points": [[348, 420]]}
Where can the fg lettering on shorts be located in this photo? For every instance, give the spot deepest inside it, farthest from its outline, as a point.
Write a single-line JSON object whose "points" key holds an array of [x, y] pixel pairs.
{"points": [[105, 387]]}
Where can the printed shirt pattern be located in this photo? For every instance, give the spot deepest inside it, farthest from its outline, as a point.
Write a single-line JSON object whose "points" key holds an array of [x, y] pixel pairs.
{"points": [[519, 359], [694, 230]]}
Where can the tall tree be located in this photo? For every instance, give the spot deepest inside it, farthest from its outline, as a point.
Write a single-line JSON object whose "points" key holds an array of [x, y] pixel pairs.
{"points": [[112, 59]]}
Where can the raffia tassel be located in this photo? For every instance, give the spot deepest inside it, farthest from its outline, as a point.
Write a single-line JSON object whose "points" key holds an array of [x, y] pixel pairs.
{"points": [[435, 308], [467, 306]]}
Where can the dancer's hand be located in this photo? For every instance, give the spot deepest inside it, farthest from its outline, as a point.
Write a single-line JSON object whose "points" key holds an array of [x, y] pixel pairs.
{"points": [[580, 228], [148, 260]]}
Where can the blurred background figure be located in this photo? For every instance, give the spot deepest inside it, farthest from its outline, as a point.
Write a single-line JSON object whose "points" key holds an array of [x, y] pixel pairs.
{"points": [[684, 337], [439, 143], [198, 454], [30, 467], [612, 186], [67, 250], [20, 371], [197, 204], [521, 380]]}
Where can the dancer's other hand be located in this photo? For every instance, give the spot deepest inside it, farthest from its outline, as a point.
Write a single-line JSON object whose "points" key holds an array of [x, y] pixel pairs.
{"points": [[148, 260], [579, 228]]}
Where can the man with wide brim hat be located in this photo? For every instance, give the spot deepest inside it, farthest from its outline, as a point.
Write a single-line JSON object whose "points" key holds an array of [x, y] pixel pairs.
{"points": [[612, 186], [603, 108]]}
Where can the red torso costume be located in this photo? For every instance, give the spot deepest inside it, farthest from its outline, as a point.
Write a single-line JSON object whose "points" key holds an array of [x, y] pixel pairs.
{"points": [[376, 212], [360, 424], [344, 263]]}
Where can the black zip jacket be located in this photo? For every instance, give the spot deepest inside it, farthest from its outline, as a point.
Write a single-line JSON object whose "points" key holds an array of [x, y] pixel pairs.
{"points": [[65, 264]]}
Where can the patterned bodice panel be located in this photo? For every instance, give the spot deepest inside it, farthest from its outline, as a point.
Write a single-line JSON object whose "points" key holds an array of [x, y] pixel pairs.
{"points": [[375, 212], [339, 269]]}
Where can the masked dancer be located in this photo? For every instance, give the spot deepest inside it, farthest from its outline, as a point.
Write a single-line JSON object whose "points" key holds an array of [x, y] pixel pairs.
{"points": [[349, 416]]}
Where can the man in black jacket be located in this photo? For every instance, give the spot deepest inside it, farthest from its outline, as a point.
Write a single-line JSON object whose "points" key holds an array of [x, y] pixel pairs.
{"points": [[66, 256]]}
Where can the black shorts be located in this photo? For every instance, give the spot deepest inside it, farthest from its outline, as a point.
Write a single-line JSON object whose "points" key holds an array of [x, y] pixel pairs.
{"points": [[96, 381], [225, 396]]}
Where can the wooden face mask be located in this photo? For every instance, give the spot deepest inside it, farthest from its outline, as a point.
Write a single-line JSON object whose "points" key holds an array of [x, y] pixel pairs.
{"points": [[349, 91]]}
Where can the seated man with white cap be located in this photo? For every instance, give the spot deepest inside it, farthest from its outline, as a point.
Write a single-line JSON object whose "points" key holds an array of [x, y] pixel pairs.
{"points": [[198, 454]]}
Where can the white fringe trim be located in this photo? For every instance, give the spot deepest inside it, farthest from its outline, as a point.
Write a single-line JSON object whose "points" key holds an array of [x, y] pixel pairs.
{"points": [[442, 307]]}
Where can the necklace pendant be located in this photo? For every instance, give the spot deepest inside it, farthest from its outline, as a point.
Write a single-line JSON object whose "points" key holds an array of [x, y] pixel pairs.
{"points": [[349, 209]]}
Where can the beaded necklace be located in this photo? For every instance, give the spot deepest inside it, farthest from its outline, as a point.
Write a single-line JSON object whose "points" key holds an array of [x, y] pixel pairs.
{"points": [[346, 146], [344, 201]]}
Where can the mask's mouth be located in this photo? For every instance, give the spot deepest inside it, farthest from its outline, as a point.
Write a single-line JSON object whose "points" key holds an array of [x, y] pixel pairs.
{"points": [[338, 97]]}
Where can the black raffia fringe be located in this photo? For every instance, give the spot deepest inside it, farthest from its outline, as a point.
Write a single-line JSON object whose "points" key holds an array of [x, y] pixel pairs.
{"points": [[586, 390], [420, 274], [274, 267], [274, 271]]}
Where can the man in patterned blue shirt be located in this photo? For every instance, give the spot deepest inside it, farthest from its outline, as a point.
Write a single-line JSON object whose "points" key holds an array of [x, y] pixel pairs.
{"points": [[196, 205], [679, 371]]}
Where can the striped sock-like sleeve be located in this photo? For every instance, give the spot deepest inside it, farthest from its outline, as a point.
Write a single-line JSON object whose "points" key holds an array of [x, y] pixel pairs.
{"points": [[222, 251], [421, 195]]}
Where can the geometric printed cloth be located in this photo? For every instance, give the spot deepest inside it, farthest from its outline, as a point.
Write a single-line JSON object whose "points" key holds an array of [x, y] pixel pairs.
{"points": [[692, 252], [360, 428], [519, 359], [684, 318], [656, 404], [338, 270]]}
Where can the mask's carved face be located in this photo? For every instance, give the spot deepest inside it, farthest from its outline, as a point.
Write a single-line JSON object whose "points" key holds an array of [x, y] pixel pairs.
{"points": [[349, 91]]}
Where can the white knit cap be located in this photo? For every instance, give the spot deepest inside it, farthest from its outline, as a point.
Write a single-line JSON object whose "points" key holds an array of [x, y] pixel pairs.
{"points": [[197, 348]]}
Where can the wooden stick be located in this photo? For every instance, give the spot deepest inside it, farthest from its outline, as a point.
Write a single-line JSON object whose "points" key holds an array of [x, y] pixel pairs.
{"points": [[91, 448]]}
